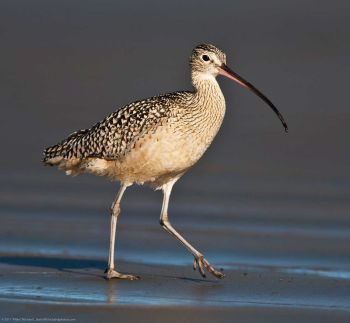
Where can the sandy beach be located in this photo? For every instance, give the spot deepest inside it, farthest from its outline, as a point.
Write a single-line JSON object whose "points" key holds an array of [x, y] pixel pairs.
{"points": [[271, 210]]}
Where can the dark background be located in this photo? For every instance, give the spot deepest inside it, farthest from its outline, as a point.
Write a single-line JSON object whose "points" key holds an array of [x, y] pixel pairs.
{"points": [[67, 64], [282, 198]]}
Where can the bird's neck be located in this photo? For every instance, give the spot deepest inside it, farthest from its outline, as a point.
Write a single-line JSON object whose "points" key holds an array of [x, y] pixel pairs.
{"points": [[207, 91], [208, 107]]}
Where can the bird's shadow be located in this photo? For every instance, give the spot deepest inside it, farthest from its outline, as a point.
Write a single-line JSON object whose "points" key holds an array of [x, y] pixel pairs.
{"points": [[76, 266]]}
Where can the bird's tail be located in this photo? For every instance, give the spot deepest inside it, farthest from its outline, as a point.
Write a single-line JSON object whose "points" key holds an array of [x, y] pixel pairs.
{"points": [[65, 153]]}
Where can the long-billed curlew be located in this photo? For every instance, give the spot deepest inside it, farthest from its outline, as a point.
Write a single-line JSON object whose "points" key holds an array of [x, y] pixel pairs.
{"points": [[155, 141]]}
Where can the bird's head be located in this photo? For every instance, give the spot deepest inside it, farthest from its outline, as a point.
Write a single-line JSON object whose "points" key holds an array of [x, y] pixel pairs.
{"points": [[207, 61]]}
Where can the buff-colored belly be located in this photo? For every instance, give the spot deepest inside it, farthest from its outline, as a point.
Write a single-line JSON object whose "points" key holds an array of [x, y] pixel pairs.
{"points": [[154, 159]]}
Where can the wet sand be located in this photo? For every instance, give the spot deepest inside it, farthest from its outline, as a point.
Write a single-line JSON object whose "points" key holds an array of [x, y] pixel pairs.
{"points": [[278, 266], [272, 210]]}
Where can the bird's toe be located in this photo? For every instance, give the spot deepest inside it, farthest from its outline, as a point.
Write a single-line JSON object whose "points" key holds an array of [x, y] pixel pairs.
{"points": [[111, 273], [202, 264]]}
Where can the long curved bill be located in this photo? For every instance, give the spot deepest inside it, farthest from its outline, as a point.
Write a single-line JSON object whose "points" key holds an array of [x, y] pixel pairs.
{"points": [[225, 71]]}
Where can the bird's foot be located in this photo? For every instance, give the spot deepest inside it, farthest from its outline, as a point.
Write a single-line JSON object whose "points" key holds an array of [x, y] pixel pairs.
{"points": [[202, 264], [111, 273]]}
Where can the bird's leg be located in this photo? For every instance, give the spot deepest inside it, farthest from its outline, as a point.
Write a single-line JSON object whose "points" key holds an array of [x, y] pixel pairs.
{"points": [[115, 211], [199, 260]]}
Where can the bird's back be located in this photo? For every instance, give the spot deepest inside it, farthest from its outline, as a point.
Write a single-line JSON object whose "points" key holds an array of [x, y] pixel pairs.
{"points": [[113, 137]]}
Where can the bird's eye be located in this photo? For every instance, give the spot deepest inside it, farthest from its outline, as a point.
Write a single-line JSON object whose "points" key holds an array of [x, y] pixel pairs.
{"points": [[205, 58]]}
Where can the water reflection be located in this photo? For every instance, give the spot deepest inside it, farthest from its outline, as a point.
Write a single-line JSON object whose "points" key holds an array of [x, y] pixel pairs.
{"points": [[327, 273]]}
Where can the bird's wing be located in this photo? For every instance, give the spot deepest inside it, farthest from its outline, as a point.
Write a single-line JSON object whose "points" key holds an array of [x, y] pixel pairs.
{"points": [[113, 136], [117, 133]]}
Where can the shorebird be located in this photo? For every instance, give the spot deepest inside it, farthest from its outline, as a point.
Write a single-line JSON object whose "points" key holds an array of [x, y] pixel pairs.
{"points": [[155, 141]]}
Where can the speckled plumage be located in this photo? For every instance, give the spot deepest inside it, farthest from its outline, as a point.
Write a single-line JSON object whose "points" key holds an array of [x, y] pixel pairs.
{"points": [[154, 141], [113, 137]]}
